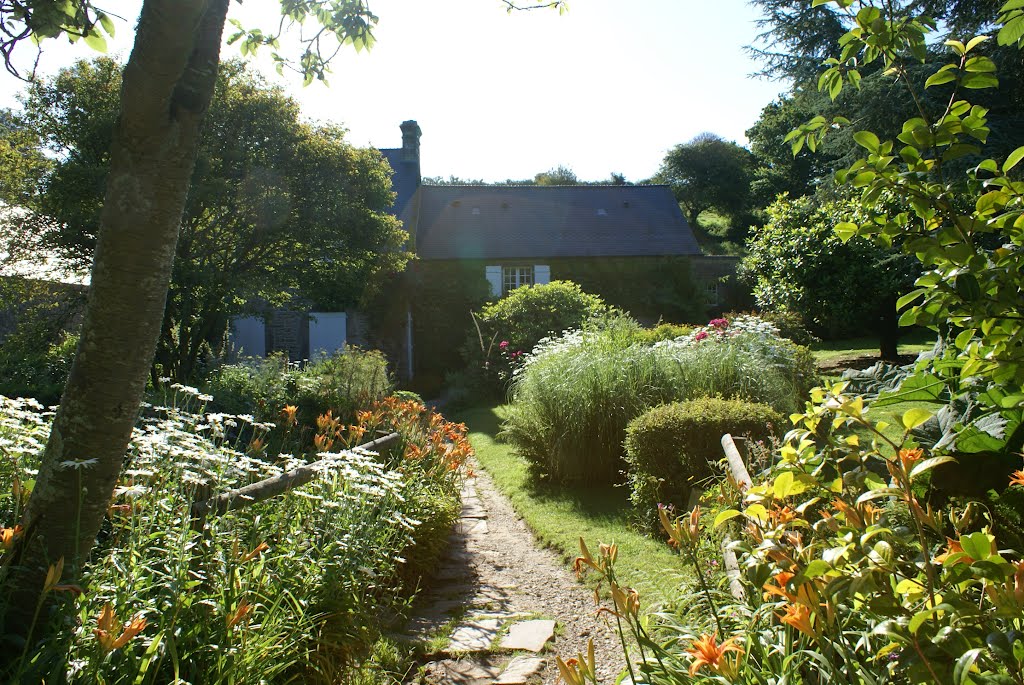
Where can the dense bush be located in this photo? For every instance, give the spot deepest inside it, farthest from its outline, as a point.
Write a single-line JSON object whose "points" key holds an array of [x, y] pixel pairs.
{"points": [[30, 367], [669, 449], [341, 384], [511, 327], [574, 396], [287, 590], [796, 263], [661, 332]]}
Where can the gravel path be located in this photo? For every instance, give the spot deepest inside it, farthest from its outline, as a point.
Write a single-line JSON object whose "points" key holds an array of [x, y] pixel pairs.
{"points": [[494, 577]]}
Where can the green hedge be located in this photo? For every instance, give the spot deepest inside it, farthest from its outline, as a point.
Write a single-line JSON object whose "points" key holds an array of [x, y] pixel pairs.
{"points": [[669, 448]]}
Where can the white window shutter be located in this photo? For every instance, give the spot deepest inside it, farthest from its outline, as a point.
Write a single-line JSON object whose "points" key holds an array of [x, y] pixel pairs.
{"points": [[493, 274], [248, 336], [327, 333], [541, 274]]}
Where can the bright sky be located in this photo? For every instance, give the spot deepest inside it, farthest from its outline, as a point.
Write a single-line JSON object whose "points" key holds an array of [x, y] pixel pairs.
{"points": [[610, 86]]}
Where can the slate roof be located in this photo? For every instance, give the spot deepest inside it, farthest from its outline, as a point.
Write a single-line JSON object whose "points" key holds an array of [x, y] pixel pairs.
{"points": [[520, 222]]}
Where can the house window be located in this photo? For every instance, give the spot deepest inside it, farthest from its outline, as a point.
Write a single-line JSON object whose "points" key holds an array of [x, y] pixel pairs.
{"points": [[513, 277], [711, 292]]}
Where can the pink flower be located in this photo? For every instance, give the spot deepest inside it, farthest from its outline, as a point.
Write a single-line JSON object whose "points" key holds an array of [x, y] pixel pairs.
{"points": [[700, 335], [503, 344], [718, 323]]}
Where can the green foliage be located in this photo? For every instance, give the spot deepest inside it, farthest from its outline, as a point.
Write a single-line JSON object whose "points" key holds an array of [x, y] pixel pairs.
{"points": [[341, 384], [964, 228], [22, 164], [798, 266], [289, 588], [924, 590], [709, 172], [670, 448], [575, 395], [526, 315], [510, 328], [931, 590], [278, 210], [662, 332], [36, 352], [29, 368]]}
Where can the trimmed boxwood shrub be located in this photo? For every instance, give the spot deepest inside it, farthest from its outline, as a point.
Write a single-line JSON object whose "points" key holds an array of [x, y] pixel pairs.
{"points": [[669, 447]]}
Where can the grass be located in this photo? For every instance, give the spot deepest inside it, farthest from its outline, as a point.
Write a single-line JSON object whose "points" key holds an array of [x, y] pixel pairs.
{"points": [[559, 515], [911, 342]]}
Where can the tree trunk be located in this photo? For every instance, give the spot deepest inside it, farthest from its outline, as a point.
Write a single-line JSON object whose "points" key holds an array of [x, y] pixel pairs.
{"points": [[889, 331], [167, 86]]}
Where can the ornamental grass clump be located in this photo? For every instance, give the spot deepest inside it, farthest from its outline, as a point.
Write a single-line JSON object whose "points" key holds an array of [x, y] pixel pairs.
{"points": [[574, 395], [289, 589]]}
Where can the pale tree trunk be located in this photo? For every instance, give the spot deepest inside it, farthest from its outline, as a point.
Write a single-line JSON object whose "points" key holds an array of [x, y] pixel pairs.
{"points": [[167, 86]]}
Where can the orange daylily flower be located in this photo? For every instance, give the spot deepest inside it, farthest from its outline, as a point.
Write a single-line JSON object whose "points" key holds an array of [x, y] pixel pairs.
{"points": [[106, 626], [1017, 478], [910, 457], [256, 446], [799, 617], [8, 536], [782, 515], [706, 652], [356, 433], [260, 549], [289, 414], [781, 579], [239, 614], [323, 443], [679, 531]]}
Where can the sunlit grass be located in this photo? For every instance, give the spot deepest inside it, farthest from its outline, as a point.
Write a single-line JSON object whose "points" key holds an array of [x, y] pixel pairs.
{"points": [[912, 342]]}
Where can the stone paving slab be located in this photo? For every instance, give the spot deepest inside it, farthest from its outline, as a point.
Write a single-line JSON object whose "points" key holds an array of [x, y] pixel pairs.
{"points": [[475, 636], [461, 672], [520, 670], [529, 635]]}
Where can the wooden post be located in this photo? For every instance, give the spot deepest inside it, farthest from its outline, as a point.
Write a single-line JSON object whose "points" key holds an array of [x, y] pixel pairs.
{"points": [[271, 487], [739, 473]]}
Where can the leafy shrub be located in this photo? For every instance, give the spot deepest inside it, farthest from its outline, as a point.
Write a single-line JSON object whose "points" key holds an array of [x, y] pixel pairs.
{"points": [[791, 326], [669, 448], [511, 327], [574, 396], [932, 589], [661, 332], [32, 368], [340, 384], [285, 590]]}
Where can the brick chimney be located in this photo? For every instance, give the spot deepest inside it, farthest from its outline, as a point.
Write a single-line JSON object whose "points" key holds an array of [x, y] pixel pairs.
{"points": [[411, 141]]}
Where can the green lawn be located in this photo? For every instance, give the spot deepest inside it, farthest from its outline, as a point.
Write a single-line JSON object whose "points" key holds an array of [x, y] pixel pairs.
{"points": [[912, 342], [560, 515]]}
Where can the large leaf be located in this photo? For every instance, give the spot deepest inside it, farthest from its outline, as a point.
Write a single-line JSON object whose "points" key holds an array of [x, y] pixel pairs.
{"points": [[918, 387]]}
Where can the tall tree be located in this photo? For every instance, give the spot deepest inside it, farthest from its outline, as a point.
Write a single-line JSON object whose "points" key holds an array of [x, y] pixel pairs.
{"points": [[247, 233], [709, 172], [167, 86]]}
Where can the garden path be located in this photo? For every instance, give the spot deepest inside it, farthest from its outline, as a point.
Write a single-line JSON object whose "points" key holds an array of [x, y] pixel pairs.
{"points": [[496, 592]]}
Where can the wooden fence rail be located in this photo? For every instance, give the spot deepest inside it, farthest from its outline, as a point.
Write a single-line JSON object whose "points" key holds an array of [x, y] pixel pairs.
{"points": [[739, 473], [271, 487]]}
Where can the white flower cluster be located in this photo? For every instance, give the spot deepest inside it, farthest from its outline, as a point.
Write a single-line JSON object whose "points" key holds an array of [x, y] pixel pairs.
{"points": [[719, 329]]}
